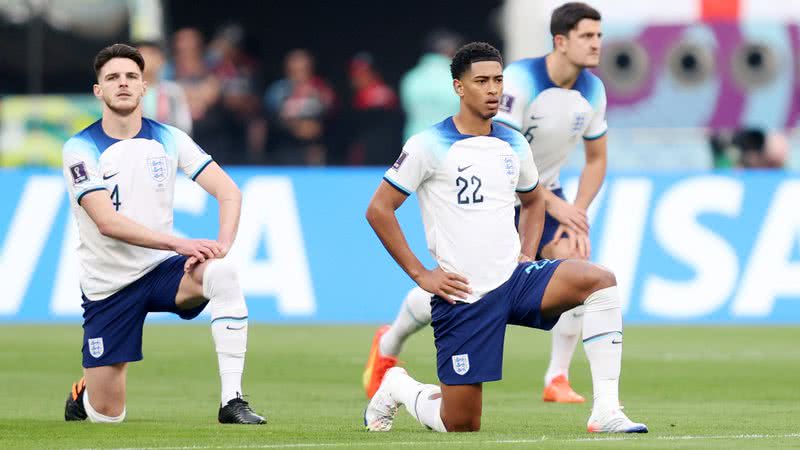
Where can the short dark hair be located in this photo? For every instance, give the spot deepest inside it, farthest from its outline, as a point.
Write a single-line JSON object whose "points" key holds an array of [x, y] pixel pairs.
{"points": [[117, 51], [566, 17], [471, 53]]}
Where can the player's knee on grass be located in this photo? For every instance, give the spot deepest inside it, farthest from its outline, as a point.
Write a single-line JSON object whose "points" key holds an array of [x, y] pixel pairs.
{"points": [[463, 423], [105, 413], [461, 407]]}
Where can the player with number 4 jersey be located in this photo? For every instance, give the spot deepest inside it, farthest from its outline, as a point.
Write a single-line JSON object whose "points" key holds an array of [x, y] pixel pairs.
{"points": [[120, 173]]}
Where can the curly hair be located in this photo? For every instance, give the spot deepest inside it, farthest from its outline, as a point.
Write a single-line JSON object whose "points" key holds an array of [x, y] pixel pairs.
{"points": [[471, 53]]}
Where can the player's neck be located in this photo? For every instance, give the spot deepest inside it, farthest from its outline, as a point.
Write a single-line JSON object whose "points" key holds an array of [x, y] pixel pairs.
{"points": [[472, 124], [122, 127], [561, 72]]}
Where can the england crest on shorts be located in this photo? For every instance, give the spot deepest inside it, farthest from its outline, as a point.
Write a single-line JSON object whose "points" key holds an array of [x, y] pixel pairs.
{"points": [[158, 169], [461, 363], [96, 347]]}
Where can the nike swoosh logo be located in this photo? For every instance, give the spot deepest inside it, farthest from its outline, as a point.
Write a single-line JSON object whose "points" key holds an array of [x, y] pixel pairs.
{"points": [[235, 329], [461, 169], [105, 177], [576, 315], [616, 342], [536, 117]]}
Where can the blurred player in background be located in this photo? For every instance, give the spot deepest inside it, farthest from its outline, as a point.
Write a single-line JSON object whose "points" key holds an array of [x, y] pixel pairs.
{"points": [[468, 173], [553, 100], [120, 172], [164, 100]]}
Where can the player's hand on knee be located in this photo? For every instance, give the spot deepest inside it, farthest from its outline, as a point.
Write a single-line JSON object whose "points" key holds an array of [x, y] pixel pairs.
{"points": [[201, 249], [577, 243], [569, 215], [449, 286]]}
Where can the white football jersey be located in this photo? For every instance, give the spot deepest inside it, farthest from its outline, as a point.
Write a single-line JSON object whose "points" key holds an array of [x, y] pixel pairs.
{"points": [[551, 118], [467, 186], [139, 176]]}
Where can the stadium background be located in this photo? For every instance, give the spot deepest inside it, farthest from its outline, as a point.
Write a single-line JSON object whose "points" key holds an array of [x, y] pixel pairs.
{"points": [[676, 76], [698, 218]]}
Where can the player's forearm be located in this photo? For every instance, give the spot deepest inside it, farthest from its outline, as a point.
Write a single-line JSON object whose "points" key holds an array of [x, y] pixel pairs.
{"points": [[590, 182], [531, 224], [384, 223], [230, 209], [119, 227]]}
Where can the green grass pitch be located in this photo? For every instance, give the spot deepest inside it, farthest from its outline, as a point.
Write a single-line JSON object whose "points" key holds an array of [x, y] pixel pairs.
{"points": [[696, 387]]}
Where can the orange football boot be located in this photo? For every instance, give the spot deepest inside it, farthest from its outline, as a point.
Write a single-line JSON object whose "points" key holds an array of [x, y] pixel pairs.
{"points": [[377, 364], [560, 391]]}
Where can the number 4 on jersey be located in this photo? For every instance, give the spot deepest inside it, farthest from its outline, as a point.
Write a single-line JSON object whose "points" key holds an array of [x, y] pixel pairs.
{"points": [[115, 197]]}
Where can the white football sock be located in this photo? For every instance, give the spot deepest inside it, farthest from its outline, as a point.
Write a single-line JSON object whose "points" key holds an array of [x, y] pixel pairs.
{"points": [[414, 314], [565, 338], [96, 417], [602, 341], [422, 401], [228, 324]]}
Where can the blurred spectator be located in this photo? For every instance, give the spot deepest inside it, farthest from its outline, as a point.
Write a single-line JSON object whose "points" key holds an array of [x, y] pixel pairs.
{"points": [[190, 71], [299, 106], [375, 120], [203, 91], [237, 73], [426, 91], [750, 148], [164, 100]]}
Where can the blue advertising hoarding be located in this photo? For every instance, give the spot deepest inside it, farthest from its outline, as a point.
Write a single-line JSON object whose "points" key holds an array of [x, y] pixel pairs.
{"points": [[686, 247]]}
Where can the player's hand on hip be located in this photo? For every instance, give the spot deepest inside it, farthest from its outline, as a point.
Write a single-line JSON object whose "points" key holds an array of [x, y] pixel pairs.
{"points": [[449, 286], [579, 244], [569, 215]]}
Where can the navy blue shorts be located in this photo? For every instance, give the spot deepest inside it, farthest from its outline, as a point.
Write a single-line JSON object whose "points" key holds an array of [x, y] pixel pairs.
{"points": [[469, 336], [112, 327], [550, 225]]}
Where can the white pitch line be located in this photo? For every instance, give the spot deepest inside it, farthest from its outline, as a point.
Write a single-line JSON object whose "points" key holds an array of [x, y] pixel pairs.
{"points": [[542, 439]]}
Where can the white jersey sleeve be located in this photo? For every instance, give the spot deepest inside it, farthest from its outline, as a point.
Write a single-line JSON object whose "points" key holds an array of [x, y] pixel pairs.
{"points": [[413, 166], [191, 158], [81, 165], [597, 125], [528, 173], [518, 91]]}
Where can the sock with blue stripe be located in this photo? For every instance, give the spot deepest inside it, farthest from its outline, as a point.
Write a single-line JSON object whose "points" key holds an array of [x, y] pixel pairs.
{"points": [[228, 324], [602, 341]]}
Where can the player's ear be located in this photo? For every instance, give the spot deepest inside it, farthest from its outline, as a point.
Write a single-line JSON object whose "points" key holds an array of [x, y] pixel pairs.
{"points": [[458, 86], [98, 91], [560, 42]]}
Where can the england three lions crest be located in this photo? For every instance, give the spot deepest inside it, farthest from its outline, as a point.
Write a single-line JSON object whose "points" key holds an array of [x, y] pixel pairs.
{"points": [[461, 363], [96, 347], [158, 168]]}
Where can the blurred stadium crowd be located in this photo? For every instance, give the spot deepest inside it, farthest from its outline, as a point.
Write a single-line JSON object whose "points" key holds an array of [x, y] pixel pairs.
{"points": [[239, 106]]}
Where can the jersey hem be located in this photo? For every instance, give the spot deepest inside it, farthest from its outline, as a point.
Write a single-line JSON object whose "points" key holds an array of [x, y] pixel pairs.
{"points": [[594, 138], [201, 168], [397, 186], [80, 196], [528, 190]]}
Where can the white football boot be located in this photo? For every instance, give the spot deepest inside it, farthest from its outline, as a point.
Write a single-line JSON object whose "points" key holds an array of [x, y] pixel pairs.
{"points": [[379, 415], [614, 421]]}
